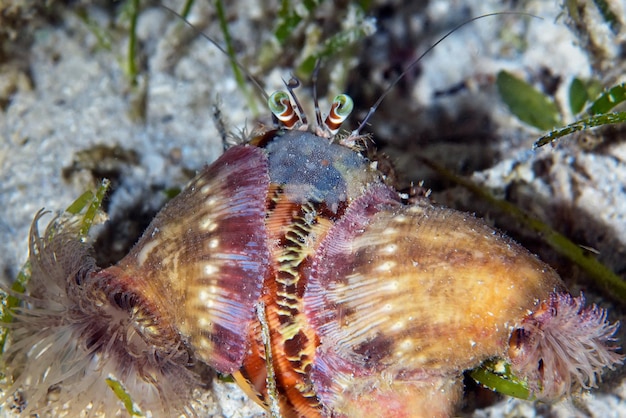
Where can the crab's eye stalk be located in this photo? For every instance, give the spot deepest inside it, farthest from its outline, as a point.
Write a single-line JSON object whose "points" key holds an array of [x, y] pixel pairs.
{"points": [[281, 107], [340, 109]]}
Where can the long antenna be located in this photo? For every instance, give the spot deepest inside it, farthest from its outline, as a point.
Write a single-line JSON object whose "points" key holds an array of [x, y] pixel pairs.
{"points": [[223, 50], [418, 59]]}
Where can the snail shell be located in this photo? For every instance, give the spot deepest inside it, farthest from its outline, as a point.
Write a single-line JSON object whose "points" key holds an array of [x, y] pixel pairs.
{"points": [[204, 254], [405, 298], [183, 295]]}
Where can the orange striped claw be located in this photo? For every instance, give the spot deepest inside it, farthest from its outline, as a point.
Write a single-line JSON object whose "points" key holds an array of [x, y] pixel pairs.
{"points": [[281, 107], [340, 110]]}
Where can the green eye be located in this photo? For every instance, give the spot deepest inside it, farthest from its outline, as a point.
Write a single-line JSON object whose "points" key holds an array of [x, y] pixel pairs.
{"points": [[279, 103], [343, 106], [281, 107], [339, 111]]}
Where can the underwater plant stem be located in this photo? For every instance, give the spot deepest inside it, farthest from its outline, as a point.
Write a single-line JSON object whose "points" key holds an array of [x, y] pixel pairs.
{"points": [[93, 208], [581, 125], [230, 51], [187, 8], [132, 42], [123, 396], [9, 301]]}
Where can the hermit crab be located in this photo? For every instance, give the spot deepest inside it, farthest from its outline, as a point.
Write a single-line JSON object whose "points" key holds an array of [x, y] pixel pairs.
{"points": [[293, 264], [375, 301]]}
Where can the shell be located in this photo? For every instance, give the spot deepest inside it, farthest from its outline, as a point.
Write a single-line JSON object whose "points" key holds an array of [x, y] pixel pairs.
{"points": [[412, 296], [204, 255], [185, 294]]}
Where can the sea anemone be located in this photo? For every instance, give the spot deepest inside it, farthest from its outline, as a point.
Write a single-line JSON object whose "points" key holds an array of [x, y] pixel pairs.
{"points": [[79, 326], [563, 345]]}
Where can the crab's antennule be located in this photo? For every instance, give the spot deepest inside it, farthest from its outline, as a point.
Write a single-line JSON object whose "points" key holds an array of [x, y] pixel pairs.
{"points": [[221, 48], [293, 84], [318, 113], [413, 63]]}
